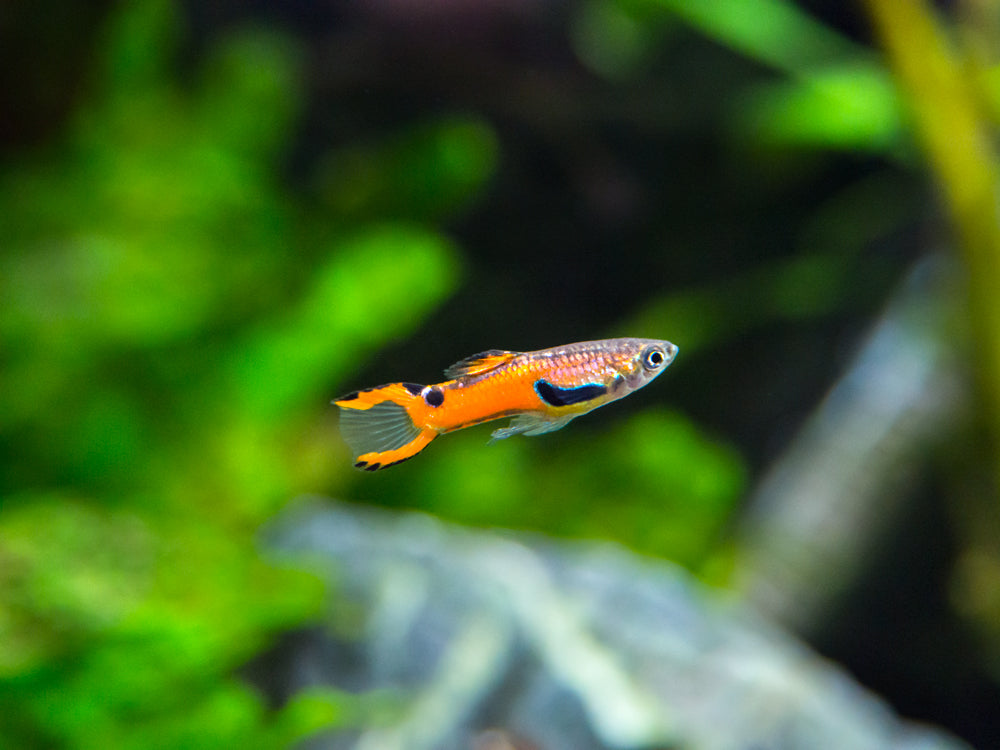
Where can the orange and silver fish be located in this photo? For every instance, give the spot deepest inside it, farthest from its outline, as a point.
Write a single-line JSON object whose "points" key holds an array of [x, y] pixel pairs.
{"points": [[541, 390]]}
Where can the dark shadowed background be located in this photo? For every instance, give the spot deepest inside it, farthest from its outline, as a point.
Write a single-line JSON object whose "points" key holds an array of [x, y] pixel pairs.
{"points": [[217, 216]]}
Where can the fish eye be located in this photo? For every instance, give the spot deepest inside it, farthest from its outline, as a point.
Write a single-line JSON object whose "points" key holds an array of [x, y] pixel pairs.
{"points": [[653, 358]]}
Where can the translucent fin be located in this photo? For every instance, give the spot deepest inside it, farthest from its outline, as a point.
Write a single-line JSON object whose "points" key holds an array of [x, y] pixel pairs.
{"points": [[383, 427], [377, 425], [532, 424], [479, 363], [373, 461]]}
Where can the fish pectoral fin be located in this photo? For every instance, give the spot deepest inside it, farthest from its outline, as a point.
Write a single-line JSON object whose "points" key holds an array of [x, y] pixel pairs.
{"points": [[531, 424], [477, 364]]}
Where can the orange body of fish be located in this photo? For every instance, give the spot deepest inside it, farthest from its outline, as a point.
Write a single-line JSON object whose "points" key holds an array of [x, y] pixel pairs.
{"points": [[541, 390]]}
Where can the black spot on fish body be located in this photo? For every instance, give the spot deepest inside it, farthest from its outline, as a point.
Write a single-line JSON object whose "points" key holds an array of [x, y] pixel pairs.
{"points": [[555, 395], [360, 464], [373, 467], [413, 388], [434, 397]]}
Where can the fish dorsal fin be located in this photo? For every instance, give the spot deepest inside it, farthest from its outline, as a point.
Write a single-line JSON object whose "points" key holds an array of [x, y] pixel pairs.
{"points": [[477, 364]]}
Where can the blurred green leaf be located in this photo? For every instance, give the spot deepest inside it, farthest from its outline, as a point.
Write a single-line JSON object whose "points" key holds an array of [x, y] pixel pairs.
{"points": [[138, 46], [610, 39], [382, 280], [253, 72], [423, 173], [776, 32], [172, 323], [851, 106]]}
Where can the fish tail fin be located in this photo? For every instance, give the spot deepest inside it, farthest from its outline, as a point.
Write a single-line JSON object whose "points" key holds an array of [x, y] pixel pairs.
{"points": [[379, 428]]}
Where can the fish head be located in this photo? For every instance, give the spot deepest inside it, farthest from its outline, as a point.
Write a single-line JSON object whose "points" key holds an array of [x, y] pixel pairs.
{"points": [[640, 361]]}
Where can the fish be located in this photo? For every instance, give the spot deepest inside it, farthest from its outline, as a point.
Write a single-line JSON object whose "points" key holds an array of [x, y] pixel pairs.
{"points": [[542, 390]]}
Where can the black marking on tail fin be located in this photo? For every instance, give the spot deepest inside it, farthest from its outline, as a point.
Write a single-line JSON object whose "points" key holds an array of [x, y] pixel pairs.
{"points": [[555, 395], [375, 465], [355, 394]]}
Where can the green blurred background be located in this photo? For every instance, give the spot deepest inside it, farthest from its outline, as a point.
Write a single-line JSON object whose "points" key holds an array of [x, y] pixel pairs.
{"points": [[216, 216]]}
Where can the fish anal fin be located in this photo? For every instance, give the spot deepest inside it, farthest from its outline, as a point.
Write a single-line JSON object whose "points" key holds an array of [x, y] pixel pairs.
{"points": [[477, 364], [532, 424]]}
